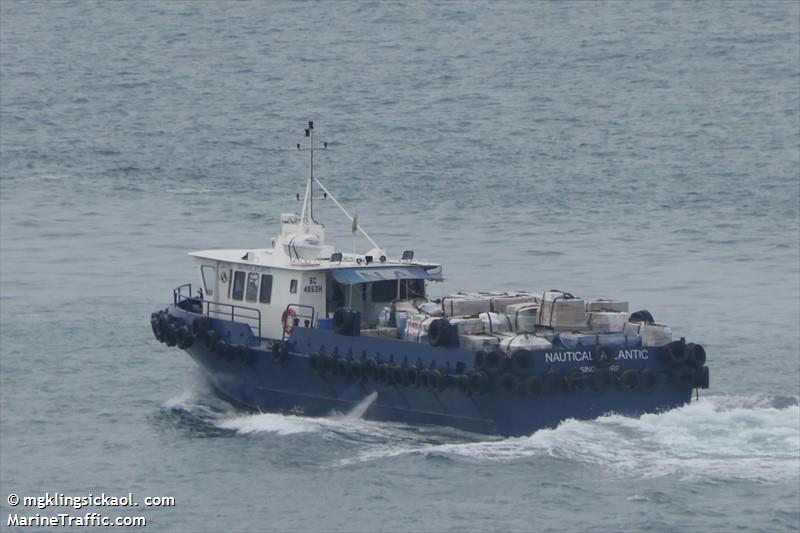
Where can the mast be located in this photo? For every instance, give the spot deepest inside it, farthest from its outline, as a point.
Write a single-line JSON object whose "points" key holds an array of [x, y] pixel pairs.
{"points": [[308, 198]]}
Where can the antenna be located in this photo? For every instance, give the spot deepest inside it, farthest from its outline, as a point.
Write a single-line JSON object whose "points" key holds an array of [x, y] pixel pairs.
{"points": [[308, 198]]}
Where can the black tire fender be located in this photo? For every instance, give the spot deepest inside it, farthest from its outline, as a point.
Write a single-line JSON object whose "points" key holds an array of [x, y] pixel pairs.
{"points": [[522, 362], [629, 380], [676, 353], [343, 321], [602, 356], [493, 362], [439, 332], [534, 386], [696, 354]]}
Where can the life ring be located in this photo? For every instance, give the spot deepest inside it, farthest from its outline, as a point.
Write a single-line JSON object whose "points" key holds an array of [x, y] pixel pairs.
{"points": [[280, 351], [290, 314]]}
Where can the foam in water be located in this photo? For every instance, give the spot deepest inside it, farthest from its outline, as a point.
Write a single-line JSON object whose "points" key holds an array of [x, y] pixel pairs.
{"points": [[708, 439], [291, 424]]}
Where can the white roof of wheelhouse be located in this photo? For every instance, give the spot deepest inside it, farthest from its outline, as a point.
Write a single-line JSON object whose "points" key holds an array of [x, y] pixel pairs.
{"points": [[266, 258]]}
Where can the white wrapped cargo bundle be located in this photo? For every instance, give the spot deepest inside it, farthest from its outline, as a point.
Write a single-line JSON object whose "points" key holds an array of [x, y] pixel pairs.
{"points": [[430, 308], [478, 342], [409, 306], [501, 303], [607, 321], [417, 328], [652, 334], [524, 341], [606, 305], [390, 333], [562, 311], [495, 322], [523, 317], [466, 304], [467, 326]]}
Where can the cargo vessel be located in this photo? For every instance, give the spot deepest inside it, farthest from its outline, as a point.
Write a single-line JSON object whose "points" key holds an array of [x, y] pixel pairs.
{"points": [[300, 327]]}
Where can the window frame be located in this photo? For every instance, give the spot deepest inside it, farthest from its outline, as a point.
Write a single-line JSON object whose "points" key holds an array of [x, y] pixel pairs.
{"points": [[209, 292], [233, 285], [384, 285], [261, 289], [247, 287]]}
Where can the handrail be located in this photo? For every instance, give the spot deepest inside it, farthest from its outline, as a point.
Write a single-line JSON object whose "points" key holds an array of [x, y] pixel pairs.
{"points": [[177, 293], [309, 322], [246, 315]]}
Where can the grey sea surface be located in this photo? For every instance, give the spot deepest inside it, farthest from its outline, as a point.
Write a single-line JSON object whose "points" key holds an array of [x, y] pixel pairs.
{"points": [[648, 151]]}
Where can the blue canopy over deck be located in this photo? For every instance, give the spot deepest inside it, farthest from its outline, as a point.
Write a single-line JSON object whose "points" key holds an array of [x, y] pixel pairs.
{"points": [[351, 276]]}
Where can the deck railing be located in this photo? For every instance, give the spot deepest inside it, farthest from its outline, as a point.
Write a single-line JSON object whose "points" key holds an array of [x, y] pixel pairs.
{"points": [[182, 297]]}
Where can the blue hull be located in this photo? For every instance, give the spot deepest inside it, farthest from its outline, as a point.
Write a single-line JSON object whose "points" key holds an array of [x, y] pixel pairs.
{"points": [[253, 378]]}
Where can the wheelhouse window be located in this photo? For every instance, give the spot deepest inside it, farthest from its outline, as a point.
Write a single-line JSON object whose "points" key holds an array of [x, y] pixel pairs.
{"points": [[384, 291], [238, 285], [252, 287], [266, 289], [209, 275], [412, 288], [293, 286]]}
